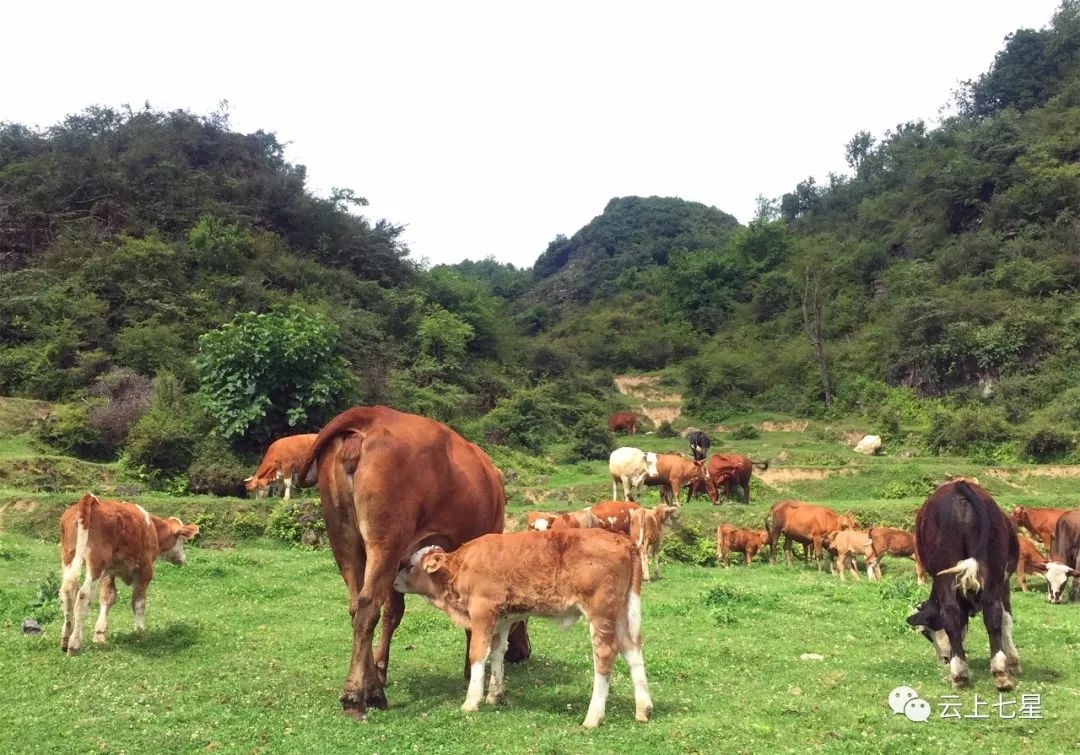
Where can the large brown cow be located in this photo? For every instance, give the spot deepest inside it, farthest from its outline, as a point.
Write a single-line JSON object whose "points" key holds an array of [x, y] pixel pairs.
{"points": [[889, 541], [970, 547], [112, 539], [802, 523], [729, 470], [1039, 522], [574, 520], [280, 463], [391, 483], [623, 421], [490, 582], [673, 473]]}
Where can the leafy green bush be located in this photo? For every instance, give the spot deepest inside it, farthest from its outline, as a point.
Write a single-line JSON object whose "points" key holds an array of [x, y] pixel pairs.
{"points": [[665, 430], [297, 522], [1047, 444], [164, 440], [67, 429], [247, 526], [590, 439], [216, 470], [518, 467], [745, 432], [967, 430]]}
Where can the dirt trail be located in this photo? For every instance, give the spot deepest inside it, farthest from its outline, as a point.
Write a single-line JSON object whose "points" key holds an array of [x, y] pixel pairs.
{"points": [[657, 405]]}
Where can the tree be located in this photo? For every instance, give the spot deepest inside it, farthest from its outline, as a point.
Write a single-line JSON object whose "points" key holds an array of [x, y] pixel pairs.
{"points": [[263, 374], [813, 308], [856, 150]]}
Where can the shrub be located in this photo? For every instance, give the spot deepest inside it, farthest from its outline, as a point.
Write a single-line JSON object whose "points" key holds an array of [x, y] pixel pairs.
{"points": [[590, 439], [126, 397], [216, 470], [745, 432], [164, 440], [67, 429], [1047, 444], [297, 522], [45, 606], [966, 430], [246, 526], [665, 430]]}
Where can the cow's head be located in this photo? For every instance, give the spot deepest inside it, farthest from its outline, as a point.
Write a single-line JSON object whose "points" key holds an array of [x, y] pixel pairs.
{"points": [[1019, 513], [650, 464], [927, 618], [845, 522], [257, 485], [422, 574], [1057, 574], [664, 512], [172, 534]]}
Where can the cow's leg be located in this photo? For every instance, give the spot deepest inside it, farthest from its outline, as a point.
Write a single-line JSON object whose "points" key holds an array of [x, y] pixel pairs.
{"points": [[106, 598], [993, 618], [955, 621], [625, 488], [817, 553], [520, 647], [392, 611], [69, 591], [746, 492], [1074, 596], [496, 687], [483, 624], [920, 571], [380, 569], [643, 557], [1012, 657], [614, 489], [288, 481], [787, 550], [603, 636], [1021, 575], [854, 564], [82, 607], [138, 599], [628, 633]]}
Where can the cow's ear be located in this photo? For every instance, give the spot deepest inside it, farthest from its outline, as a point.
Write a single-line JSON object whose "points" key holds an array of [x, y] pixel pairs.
{"points": [[249, 479], [189, 530], [1074, 573], [433, 562], [1039, 568]]}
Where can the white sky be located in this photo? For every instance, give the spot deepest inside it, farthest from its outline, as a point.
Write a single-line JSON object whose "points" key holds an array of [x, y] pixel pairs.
{"points": [[488, 128]]}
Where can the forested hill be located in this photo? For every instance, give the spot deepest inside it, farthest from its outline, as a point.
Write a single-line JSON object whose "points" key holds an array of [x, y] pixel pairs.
{"points": [[633, 233]]}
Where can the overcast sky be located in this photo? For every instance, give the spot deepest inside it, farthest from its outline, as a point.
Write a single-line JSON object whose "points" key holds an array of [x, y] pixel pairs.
{"points": [[488, 128]]}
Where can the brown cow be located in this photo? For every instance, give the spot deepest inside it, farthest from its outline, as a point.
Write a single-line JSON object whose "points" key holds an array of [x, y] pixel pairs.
{"points": [[845, 546], [889, 541], [391, 483], [646, 530], [491, 581], [748, 542], [804, 523], [623, 421], [280, 463], [112, 539], [539, 520], [1030, 561], [673, 473], [614, 515], [729, 470], [1039, 522], [583, 519], [968, 543], [1064, 559]]}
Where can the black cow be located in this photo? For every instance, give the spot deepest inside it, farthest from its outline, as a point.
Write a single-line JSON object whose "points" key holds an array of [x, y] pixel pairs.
{"points": [[1066, 551], [970, 547], [699, 444]]}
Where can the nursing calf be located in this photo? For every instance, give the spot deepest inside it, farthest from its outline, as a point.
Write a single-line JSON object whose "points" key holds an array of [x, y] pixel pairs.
{"points": [[111, 539], [490, 582]]}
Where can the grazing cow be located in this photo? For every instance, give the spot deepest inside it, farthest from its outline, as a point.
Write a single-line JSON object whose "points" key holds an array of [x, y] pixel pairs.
{"points": [[391, 483], [623, 421], [646, 530], [630, 466], [970, 547], [748, 542], [112, 539], [802, 523], [1064, 559], [699, 444], [1030, 561], [614, 515], [1039, 522], [575, 520], [845, 546], [729, 470], [280, 463], [673, 473], [889, 541], [539, 520], [494, 580]]}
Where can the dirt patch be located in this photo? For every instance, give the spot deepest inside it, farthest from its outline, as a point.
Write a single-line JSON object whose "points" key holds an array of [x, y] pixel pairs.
{"points": [[1060, 472], [647, 388], [768, 426], [635, 385], [793, 474], [658, 414]]}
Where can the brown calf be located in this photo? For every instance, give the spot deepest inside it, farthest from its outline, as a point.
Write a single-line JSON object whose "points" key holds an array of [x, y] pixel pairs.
{"points": [[646, 530], [845, 546], [281, 462], [673, 473], [729, 470], [574, 520], [112, 539], [1039, 522], [539, 520], [890, 541], [1030, 561], [494, 580], [730, 539]]}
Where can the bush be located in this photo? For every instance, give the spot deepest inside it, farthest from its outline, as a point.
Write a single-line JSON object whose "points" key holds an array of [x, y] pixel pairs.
{"points": [[164, 440], [67, 429], [665, 430], [973, 429], [247, 526], [1047, 444], [45, 606], [127, 396], [297, 522], [216, 470], [590, 439], [745, 432]]}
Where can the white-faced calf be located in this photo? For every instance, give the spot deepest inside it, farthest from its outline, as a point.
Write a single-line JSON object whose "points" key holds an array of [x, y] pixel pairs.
{"points": [[112, 539], [490, 582]]}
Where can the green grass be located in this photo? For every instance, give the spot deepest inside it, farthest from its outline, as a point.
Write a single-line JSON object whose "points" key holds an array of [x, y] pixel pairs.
{"points": [[246, 650]]}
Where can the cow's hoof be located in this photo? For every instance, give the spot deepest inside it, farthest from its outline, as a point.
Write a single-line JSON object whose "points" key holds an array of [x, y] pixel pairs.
{"points": [[517, 654], [494, 699], [961, 682], [1014, 667], [1003, 681], [470, 707], [643, 714], [73, 651], [376, 698], [352, 705], [63, 646], [99, 638]]}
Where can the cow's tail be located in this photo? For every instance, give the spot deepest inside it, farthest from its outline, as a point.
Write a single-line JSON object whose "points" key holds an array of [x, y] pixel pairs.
{"points": [[84, 509], [633, 601], [761, 465], [354, 420], [969, 571]]}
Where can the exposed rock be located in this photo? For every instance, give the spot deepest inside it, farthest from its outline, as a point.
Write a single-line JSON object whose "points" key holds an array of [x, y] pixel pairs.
{"points": [[869, 445], [29, 626]]}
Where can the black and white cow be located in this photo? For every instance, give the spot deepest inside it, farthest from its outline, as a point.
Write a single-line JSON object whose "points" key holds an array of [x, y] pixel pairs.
{"points": [[699, 444], [970, 547], [1064, 558]]}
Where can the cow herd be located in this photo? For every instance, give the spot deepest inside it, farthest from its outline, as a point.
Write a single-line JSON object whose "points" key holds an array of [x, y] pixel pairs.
{"points": [[411, 506]]}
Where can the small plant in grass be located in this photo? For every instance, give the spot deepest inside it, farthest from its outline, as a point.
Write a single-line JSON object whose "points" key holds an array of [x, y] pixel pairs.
{"points": [[45, 606], [745, 432], [298, 522], [665, 430], [247, 526]]}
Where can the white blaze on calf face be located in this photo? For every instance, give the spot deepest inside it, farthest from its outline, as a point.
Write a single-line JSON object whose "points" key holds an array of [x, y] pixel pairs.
{"points": [[650, 464], [540, 525], [1056, 576]]}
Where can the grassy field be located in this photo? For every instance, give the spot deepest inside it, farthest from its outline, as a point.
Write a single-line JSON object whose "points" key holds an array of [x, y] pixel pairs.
{"points": [[247, 646]]}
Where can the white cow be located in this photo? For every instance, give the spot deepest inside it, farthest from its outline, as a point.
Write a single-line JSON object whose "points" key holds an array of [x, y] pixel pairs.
{"points": [[631, 466]]}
